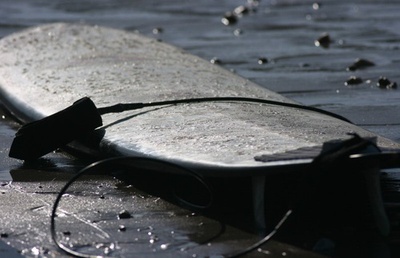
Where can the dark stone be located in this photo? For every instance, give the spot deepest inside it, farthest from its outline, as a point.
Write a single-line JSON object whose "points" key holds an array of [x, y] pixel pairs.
{"points": [[124, 215], [385, 83], [360, 64], [262, 60], [353, 80], [323, 41], [122, 228], [229, 19]]}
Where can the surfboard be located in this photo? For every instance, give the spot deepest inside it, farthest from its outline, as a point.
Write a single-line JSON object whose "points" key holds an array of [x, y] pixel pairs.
{"points": [[46, 68]]}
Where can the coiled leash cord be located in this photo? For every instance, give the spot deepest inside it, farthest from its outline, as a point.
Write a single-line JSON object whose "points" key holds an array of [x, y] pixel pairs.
{"points": [[38, 138], [130, 162]]}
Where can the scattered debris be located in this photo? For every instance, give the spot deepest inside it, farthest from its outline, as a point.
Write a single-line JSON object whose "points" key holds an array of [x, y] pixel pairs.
{"points": [[316, 6], [124, 215], [262, 60], [237, 32], [229, 19], [353, 80], [385, 83], [241, 10], [215, 60], [232, 17], [323, 41], [158, 30], [360, 64]]}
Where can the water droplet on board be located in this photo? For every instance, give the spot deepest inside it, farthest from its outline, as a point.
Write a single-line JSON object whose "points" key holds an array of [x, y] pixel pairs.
{"points": [[35, 251], [164, 246], [153, 239], [215, 60]]}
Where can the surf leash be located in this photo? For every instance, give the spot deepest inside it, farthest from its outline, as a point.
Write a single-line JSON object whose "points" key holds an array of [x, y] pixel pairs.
{"points": [[40, 137], [118, 108], [112, 164]]}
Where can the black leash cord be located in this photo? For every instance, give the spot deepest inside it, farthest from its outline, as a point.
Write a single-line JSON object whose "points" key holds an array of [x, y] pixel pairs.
{"points": [[262, 241], [118, 161], [137, 159], [118, 108]]}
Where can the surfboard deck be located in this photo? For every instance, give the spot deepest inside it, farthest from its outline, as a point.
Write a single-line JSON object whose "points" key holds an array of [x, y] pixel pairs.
{"points": [[46, 68]]}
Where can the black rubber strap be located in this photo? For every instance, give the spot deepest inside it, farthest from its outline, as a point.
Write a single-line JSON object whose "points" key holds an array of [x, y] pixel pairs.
{"points": [[38, 138]]}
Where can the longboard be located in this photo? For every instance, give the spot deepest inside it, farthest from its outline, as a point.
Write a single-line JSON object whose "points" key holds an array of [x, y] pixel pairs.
{"points": [[46, 68]]}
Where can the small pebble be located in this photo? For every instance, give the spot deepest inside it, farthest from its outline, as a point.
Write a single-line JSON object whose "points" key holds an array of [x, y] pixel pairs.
{"points": [[253, 2], [262, 60], [158, 30], [237, 32], [3, 235], [66, 233], [241, 10], [385, 83], [316, 6], [323, 41], [124, 215], [122, 228], [353, 80], [229, 19], [215, 60], [360, 64]]}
